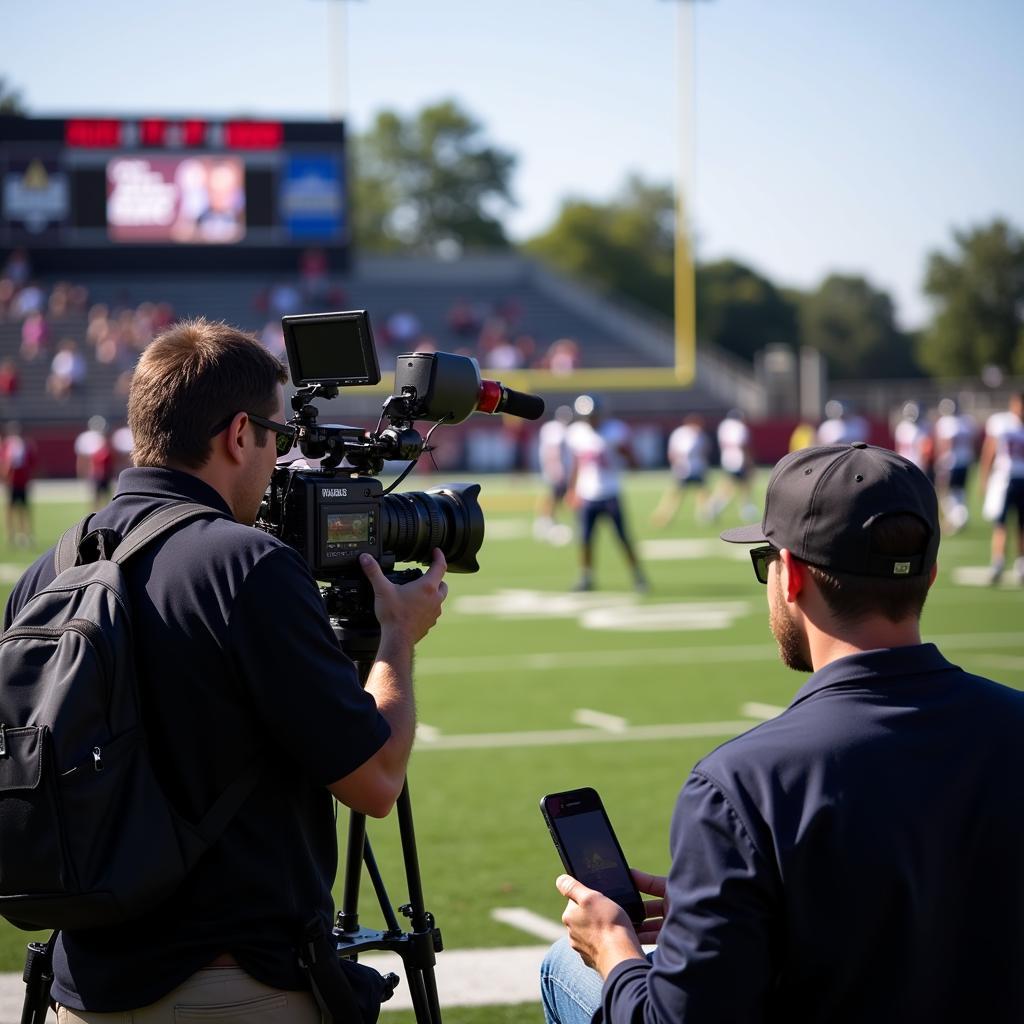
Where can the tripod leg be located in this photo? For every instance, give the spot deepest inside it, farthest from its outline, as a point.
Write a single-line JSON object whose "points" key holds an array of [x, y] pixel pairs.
{"points": [[348, 919], [425, 986]]}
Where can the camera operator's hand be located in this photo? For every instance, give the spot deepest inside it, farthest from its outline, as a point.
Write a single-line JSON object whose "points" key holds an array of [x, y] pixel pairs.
{"points": [[406, 614], [408, 611]]}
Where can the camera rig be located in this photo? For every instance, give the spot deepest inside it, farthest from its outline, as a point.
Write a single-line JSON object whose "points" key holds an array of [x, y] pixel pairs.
{"points": [[337, 511]]}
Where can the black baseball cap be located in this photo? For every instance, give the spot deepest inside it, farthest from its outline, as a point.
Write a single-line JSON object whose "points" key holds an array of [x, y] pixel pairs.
{"points": [[822, 501]]}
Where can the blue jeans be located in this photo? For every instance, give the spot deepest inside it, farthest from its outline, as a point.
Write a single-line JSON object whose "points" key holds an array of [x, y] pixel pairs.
{"points": [[569, 989]]}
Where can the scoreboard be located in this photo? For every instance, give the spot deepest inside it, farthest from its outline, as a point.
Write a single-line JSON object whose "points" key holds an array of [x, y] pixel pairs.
{"points": [[163, 193]]}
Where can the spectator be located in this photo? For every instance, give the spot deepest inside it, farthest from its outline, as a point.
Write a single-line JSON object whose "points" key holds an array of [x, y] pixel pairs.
{"points": [[284, 299], [30, 299], [503, 356], [272, 338], [17, 268], [98, 326], [67, 370], [313, 268], [7, 293], [35, 334], [17, 463], [402, 328], [462, 319], [563, 356], [10, 377]]}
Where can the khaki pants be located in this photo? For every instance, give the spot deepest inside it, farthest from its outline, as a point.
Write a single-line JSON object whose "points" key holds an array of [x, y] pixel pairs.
{"points": [[214, 995]]}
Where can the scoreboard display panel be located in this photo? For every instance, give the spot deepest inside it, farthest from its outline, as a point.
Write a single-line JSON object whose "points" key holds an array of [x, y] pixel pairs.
{"points": [[162, 193]]}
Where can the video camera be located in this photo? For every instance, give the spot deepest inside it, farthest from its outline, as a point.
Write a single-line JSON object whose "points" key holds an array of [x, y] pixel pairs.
{"points": [[333, 514]]}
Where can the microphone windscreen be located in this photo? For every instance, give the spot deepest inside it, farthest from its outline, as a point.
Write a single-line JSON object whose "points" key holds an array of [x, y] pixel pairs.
{"points": [[525, 406]]}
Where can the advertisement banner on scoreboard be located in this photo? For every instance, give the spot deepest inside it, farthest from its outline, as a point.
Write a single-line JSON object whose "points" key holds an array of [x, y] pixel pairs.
{"points": [[195, 199], [35, 198], [312, 191]]}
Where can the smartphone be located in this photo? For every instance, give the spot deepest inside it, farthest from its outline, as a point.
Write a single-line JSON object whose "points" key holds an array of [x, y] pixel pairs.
{"points": [[589, 850]]}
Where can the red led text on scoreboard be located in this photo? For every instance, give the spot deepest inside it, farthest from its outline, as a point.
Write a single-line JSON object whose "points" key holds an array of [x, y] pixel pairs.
{"points": [[93, 134], [161, 133]]}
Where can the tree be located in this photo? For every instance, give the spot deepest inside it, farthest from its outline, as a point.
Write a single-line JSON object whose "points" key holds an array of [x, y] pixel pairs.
{"points": [[623, 247], [10, 99], [428, 182], [853, 325], [979, 291], [742, 311]]}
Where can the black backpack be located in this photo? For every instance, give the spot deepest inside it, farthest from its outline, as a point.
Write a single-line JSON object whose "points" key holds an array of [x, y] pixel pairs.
{"points": [[87, 836]]}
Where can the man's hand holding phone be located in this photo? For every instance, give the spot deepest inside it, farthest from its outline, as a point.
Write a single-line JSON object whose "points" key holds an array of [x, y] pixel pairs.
{"points": [[600, 930]]}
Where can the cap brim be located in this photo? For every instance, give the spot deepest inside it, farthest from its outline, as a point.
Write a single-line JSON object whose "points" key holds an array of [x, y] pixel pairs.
{"points": [[752, 534]]}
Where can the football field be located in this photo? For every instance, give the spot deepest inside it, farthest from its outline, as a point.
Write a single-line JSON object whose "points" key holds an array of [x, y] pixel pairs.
{"points": [[525, 688]]}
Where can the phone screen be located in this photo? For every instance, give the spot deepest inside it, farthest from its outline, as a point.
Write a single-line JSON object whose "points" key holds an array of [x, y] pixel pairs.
{"points": [[589, 849]]}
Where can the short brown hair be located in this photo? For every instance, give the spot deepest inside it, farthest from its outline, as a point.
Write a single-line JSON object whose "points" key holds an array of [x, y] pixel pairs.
{"points": [[191, 378], [853, 598]]}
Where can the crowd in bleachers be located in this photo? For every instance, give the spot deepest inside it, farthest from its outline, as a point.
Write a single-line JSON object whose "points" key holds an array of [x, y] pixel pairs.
{"points": [[495, 332], [75, 340], [58, 342]]}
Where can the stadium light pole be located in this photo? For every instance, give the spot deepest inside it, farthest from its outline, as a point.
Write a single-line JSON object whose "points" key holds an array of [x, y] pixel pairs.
{"points": [[337, 60], [684, 274]]}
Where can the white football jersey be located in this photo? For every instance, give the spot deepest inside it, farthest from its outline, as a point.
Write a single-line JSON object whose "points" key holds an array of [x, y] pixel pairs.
{"points": [[688, 451], [598, 459]]}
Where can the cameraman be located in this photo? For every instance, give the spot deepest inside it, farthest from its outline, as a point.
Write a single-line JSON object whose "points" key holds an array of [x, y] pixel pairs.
{"points": [[239, 670], [858, 857]]}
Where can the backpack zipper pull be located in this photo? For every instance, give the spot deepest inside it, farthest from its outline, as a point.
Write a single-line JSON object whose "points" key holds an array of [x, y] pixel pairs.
{"points": [[97, 759]]}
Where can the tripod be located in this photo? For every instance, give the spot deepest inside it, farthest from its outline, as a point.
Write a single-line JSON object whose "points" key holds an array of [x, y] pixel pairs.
{"points": [[359, 636]]}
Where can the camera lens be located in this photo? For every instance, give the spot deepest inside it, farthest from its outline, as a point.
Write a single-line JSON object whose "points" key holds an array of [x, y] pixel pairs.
{"points": [[413, 523]]}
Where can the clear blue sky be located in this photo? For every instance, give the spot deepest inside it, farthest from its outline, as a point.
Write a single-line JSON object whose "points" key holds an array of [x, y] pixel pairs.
{"points": [[829, 134]]}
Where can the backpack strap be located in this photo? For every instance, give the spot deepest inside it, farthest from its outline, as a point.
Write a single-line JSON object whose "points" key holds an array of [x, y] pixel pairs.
{"points": [[67, 552], [157, 524], [65, 555]]}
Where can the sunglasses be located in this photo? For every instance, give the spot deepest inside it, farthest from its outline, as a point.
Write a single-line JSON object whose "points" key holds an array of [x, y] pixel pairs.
{"points": [[284, 433], [762, 558]]}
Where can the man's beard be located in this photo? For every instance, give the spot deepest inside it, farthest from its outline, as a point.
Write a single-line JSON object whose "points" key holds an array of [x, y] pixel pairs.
{"points": [[786, 632]]}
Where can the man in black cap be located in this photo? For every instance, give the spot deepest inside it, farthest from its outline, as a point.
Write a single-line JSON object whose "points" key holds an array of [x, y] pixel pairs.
{"points": [[858, 857]]}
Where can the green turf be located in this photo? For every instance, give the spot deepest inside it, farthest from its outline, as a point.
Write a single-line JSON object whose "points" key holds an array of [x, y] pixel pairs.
{"points": [[481, 840], [522, 1013]]}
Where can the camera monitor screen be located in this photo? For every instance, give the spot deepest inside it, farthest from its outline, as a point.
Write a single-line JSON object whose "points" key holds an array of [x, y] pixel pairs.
{"points": [[331, 348], [192, 200], [349, 528]]}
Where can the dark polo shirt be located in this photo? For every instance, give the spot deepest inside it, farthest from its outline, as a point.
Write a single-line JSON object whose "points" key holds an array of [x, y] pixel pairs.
{"points": [[237, 665], [858, 858]]}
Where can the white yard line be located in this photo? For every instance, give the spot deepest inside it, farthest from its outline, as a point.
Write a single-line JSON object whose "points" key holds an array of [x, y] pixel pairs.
{"points": [[529, 922], [599, 720], [683, 657], [565, 737], [754, 709]]}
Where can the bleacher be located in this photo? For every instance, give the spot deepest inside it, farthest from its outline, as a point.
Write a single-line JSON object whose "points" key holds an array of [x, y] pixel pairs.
{"points": [[544, 306]]}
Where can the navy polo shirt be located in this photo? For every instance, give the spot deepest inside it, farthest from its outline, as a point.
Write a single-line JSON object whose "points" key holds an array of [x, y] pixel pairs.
{"points": [[858, 858], [237, 665]]}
